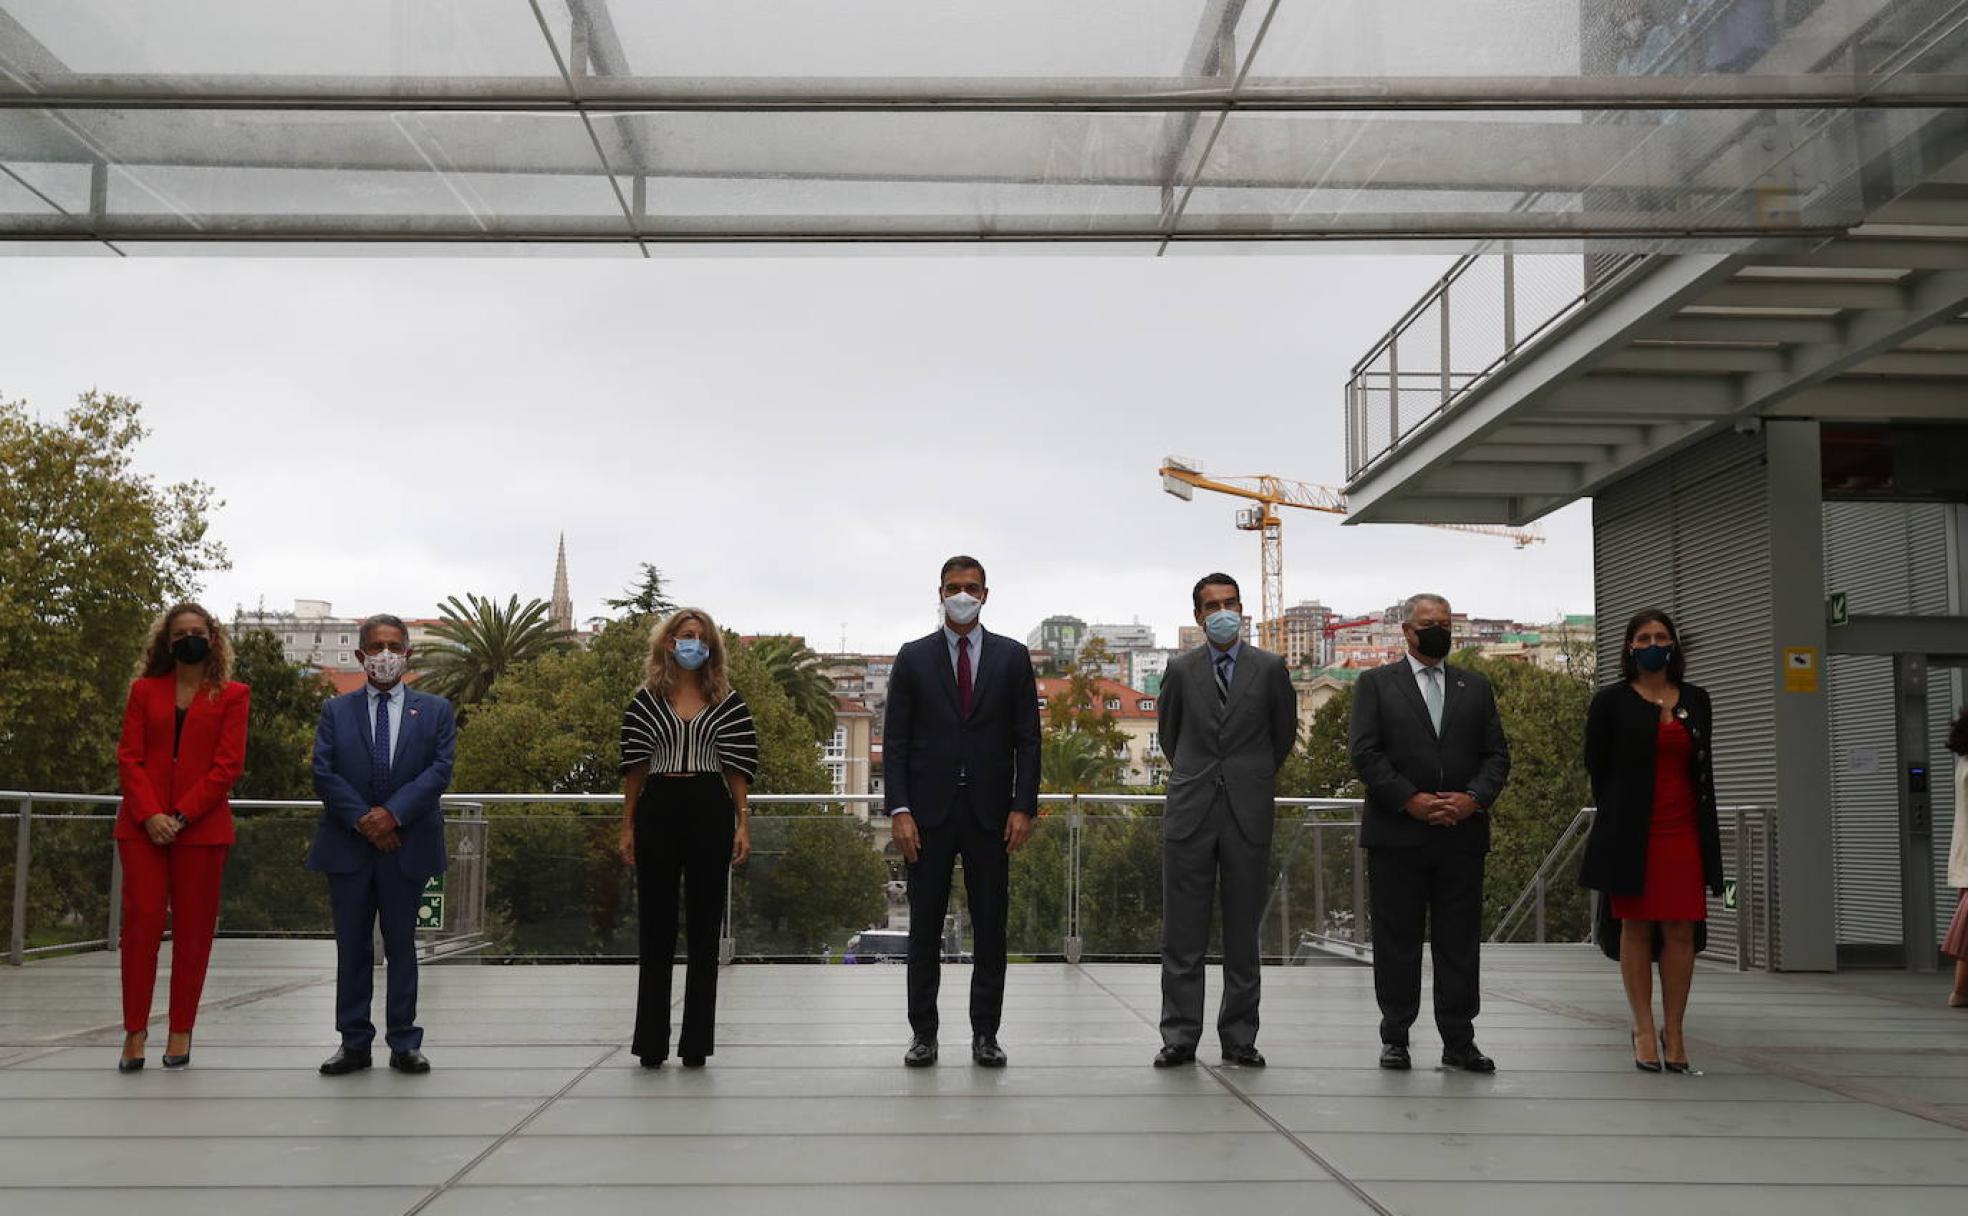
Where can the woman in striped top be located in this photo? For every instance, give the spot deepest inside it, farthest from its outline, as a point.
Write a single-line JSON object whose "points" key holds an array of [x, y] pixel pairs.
{"points": [[689, 753]]}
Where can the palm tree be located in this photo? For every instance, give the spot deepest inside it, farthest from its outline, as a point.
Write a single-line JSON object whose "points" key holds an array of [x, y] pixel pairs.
{"points": [[796, 669], [1075, 762], [480, 640]]}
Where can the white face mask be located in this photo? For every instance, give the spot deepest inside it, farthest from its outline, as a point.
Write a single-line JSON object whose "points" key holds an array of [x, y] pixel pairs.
{"points": [[385, 667], [962, 608]]}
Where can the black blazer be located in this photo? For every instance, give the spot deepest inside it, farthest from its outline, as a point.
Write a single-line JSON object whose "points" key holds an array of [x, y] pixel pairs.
{"points": [[929, 751], [1621, 730], [1397, 754]]}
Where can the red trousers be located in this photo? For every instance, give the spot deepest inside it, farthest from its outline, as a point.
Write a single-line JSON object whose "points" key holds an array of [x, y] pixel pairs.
{"points": [[183, 880]]}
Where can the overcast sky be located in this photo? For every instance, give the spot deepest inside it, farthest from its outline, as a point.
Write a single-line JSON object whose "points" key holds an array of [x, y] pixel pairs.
{"points": [[796, 442]]}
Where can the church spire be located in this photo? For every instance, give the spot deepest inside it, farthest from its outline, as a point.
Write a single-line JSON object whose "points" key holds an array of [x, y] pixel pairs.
{"points": [[563, 603]]}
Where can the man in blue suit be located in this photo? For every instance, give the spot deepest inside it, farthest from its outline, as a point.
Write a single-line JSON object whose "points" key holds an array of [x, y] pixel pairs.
{"points": [[961, 737], [382, 759]]}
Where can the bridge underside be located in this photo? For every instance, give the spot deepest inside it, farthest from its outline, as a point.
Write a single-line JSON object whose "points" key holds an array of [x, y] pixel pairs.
{"points": [[1146, 127]]}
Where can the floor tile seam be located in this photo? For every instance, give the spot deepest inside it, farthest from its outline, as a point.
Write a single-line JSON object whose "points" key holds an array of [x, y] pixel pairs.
{"points": [[510, 1133], [1772, 1064], [78, 1038], [1333, 1171]]}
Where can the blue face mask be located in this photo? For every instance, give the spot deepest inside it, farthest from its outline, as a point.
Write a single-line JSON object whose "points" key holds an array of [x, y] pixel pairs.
{"points": [[1653, 658], [1223, 625], [692, 653]]}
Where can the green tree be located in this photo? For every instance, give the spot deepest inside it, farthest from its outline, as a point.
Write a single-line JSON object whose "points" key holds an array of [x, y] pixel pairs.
{"points": [[90, 552], [480, 640], [1321, 766], [798, 672], [1081, 749], [645, 598], [287, 702], [826, 882]]}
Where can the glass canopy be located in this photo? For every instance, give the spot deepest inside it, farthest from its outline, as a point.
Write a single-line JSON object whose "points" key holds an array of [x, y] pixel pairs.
{"points": [[1627, 124]]}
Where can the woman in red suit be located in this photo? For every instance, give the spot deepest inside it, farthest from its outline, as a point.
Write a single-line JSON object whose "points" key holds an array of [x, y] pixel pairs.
{"points": [[1656, 842], [184, 742]]}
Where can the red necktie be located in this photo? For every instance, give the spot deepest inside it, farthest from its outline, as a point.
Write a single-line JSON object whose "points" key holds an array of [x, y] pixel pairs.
{"points": [[963, 676]]}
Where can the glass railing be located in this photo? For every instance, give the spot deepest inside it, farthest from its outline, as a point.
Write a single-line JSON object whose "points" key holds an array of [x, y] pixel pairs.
{"points": [[539, 878]]}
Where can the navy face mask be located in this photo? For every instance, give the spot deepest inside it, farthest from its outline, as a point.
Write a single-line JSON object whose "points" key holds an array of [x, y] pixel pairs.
{"points": [[1653, 658]]}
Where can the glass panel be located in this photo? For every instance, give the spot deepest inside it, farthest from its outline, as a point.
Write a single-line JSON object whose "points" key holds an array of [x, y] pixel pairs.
{"points": [[303, 172], [9, 845], [1041, 889], [797, 173], [1121, 885], [384, 40], [268, 891], [814, 883], [68, 875], [891, 39], [1310, 914], [555, 885]]}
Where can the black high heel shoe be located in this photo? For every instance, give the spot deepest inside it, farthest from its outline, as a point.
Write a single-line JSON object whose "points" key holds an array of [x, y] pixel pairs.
{"points": [[1642, 1065], [131, 1064], [1684, 1068], [171, 1061]]}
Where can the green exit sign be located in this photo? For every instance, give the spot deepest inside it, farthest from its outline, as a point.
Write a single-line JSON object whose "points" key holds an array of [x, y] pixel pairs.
{"points": [[1836, 612]]}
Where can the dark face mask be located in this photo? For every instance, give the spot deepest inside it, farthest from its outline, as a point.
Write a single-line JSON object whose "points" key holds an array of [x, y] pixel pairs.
{"points": [[1433, 642], [1653, 658], [191, 649]]}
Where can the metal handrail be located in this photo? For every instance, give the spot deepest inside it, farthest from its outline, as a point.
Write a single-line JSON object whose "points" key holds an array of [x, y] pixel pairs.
{"points": [[1316, 811]]}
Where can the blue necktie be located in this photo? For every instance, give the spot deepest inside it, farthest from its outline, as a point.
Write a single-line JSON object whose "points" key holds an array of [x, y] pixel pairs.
{"points": [[379, 759]]}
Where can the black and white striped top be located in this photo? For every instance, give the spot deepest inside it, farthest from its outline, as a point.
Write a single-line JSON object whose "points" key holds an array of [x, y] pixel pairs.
{"points": [[719, 739]]}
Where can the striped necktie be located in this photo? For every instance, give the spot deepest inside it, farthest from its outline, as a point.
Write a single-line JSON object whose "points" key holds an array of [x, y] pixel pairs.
{"points": [[1223, 679]]}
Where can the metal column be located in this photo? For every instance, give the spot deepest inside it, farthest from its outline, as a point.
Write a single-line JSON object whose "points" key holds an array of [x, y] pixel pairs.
{"points": [[1916, 811]]}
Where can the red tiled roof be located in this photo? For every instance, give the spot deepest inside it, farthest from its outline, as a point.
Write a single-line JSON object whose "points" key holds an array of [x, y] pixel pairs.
{"points": [[1052, 688]]}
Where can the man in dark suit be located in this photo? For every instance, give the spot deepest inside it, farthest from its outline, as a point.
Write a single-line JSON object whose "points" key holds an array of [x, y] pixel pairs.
{"points": [[382, 759], [1428, 745], [961, 760], [1228, 719]]}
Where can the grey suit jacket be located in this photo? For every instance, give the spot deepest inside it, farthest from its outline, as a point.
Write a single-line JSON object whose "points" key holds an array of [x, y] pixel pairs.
{"points": [[1233, 748]]}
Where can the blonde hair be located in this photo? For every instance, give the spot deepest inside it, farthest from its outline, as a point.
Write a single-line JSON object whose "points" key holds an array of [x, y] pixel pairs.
{"points": [[663, 672], [158, 660]]}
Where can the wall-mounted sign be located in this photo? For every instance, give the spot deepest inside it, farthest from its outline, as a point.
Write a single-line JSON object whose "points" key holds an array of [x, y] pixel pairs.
{"points": [[1800, 669]]}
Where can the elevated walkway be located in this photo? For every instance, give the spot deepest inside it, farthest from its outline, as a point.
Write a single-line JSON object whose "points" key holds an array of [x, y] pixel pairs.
{"points": [[1823, 1095]]}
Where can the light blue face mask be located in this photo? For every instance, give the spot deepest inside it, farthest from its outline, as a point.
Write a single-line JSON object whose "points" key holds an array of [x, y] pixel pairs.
{"points": [[692, 653], [1223, 626]]}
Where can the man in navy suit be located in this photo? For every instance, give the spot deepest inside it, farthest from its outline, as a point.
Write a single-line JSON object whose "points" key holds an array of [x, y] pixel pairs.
{"points": [[961, 741], [382, 759]]}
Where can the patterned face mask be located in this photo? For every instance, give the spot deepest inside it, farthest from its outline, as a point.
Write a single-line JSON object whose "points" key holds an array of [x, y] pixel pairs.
{"points": [[385, 667]]}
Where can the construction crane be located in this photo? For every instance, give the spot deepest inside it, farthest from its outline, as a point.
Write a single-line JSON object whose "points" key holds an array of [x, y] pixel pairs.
{"points": [[1183, 478]]}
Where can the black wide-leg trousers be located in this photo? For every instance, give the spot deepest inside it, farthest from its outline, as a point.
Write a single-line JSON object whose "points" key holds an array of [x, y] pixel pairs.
{"points": [[683, 832]]}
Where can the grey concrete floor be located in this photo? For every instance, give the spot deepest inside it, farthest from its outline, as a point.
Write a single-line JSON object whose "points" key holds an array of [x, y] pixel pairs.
{"points": [[1823, 1094]]}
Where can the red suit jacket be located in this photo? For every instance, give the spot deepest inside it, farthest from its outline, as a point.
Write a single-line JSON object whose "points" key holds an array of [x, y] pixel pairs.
{"points": [[210, 757]]}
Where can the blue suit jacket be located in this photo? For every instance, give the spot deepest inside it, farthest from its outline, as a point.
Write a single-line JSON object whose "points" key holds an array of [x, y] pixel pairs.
{"points": [[419, 774], [930, 749]]}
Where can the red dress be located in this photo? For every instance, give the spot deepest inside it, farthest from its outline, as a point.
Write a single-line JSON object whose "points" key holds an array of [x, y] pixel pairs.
{"points": [[1673, 889]]}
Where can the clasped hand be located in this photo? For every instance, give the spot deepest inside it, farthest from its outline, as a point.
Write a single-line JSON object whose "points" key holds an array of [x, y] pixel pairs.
{"points": [[1441, 810], [379, 828]]}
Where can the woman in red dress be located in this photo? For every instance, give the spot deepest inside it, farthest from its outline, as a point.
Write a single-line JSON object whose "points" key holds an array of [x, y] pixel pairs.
{"points": [[183, 746], [1655, 842]]}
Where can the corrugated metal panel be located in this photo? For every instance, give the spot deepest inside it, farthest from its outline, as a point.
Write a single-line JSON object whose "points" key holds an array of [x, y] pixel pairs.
{"points": [[1691, 535], [1888, 558]]}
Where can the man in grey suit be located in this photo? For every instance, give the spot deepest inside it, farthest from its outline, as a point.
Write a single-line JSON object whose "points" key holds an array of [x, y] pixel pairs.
{"points": [[1228, 720], [1428, 745]]}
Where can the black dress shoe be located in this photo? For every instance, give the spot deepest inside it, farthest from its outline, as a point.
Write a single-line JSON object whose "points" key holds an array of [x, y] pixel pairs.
{"points": [[1682, 1068], [1244, 1057], [1175, 1057], [1468, 1059], [985, 1051], [921, 1053], [692, 1061], [652, 1061], [345, 1060], [131, 1065], [411, 1061], [1395, 1056], [171, 1061]]}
